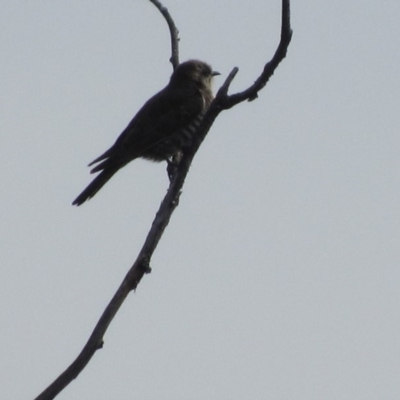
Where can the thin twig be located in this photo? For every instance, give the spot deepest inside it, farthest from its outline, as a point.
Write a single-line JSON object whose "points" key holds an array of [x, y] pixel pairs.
{"points": [[174, 33], [251, 93]]}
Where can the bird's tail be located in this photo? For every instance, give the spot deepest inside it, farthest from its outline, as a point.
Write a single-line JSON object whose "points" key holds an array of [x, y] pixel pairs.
{"points": [[95, 185]]}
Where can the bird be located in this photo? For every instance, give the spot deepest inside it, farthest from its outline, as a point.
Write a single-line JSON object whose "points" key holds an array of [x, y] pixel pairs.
{"points": [[163, 127]]}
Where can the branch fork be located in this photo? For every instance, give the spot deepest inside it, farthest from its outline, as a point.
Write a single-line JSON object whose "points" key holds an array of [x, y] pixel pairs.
{"points": [[141, 266]]}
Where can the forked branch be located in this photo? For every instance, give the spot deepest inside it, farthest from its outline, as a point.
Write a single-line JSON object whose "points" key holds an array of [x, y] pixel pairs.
{"points": [[222, 101]]}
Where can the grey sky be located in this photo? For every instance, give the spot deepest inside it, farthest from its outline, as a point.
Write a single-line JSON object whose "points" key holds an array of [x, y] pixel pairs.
{"points": [[279, 275]]}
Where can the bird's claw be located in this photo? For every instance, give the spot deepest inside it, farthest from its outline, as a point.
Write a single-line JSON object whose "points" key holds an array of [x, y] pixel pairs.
{"points": [[173, 163]]}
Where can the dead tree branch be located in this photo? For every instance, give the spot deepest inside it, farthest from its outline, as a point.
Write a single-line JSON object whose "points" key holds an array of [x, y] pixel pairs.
{"points": [[173, 30], [141, 266]]}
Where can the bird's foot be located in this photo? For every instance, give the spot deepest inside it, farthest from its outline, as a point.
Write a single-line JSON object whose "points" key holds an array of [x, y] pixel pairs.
{"points": [[173, 164]]}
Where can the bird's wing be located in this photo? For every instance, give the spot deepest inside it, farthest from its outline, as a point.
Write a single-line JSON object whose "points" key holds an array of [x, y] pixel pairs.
{"points": [[160, 117]]}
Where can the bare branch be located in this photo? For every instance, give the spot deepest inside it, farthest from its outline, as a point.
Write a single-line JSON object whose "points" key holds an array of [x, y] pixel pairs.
{"points": [[173, 30], [286, 35], [141, 266]]}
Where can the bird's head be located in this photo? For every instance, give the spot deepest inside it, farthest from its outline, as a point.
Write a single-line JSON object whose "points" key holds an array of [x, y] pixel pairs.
{"points": [[194, 71]]}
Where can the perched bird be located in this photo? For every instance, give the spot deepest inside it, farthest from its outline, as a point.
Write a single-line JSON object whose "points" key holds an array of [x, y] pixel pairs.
{"points": [[162, 127]]}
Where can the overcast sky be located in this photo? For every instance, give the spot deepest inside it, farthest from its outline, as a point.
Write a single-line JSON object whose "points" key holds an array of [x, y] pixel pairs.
{"points": [[279, 274]]}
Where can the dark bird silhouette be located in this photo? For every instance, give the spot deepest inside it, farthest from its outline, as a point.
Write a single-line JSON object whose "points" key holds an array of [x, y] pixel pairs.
{"points": [[164, 126]]}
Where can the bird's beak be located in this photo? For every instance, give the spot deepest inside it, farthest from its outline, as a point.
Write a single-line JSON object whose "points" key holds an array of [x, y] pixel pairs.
{"points": [[215, 73]]}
